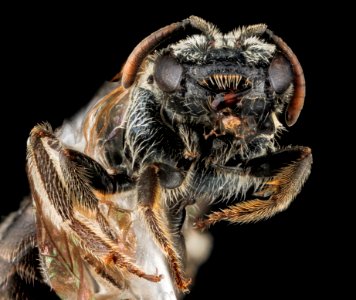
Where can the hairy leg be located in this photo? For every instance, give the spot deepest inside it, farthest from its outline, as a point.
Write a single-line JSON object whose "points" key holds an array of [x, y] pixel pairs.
{"points": [[286, 170], [149, 192], [71, 227]]}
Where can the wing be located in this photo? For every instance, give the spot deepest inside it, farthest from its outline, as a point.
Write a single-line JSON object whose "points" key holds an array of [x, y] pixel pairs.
{"points": [[104, 128]]}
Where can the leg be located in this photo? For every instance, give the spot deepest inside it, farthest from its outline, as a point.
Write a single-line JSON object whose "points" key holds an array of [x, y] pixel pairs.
{"points": [[287, 170], [20, 270], [149, 189], [71, 228]]}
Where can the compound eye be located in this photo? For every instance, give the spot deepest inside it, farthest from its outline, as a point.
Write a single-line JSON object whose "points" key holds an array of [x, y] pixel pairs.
{"points": [[280, 74], [167, 73]]}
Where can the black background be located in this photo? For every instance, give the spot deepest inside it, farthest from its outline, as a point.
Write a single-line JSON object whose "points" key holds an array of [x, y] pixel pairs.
{"points": [[57, 57]]}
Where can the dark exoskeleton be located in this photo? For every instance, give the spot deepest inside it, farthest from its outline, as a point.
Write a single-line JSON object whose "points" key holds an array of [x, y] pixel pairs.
{"points": [[188, 125]]}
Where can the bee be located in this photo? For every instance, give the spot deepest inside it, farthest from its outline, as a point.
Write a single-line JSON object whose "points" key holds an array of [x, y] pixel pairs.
{"points": [[183, 126]]}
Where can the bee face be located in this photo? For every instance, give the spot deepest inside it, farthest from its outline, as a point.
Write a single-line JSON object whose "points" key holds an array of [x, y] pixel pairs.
{"points": [[193, 124]]}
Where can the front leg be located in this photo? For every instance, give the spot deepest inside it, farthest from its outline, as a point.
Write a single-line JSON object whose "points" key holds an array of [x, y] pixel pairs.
{"points": [[82, 245], [150, 184], [285, 172]]}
